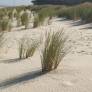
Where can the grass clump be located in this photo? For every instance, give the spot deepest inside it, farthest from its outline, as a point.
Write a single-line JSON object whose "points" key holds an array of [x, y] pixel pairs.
{"points": [[36, 22], [25, 19], [53, 51], [27, 47], [82, 11], [43, 13], [5, 24], [2, 40], [86, 15]]}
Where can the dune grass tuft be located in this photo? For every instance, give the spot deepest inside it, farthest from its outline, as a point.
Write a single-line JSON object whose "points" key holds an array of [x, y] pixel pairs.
{"points": [[27, 47], [36, 22], [53, 51], [2, 39], [5, 25], [25, 19]]}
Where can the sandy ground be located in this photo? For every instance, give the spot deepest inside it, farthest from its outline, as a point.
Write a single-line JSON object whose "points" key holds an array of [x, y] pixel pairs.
{"points": [[74, 74]]}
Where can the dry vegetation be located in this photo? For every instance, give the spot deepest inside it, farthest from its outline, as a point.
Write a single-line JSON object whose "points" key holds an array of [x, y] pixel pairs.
{"points": [[82, 11], [53, 51], [27, 47], [2, 39]]}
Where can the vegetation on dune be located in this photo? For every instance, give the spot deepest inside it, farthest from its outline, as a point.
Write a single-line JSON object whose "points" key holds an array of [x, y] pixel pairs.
{"points": [[70, 13], [25, 19], [44, 12], [82, 11], [2, 40], [18, 17], [53, 51], [14, 12], [27, 47], [87, 16], [4, 20], [36, 22], [5, 24]]}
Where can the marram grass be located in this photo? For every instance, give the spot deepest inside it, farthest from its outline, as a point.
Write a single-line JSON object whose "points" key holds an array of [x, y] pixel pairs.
{"points": [[53, 51], [27, 47]]}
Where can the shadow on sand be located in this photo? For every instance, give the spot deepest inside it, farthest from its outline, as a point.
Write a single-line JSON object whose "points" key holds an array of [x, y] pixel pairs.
{"points": [[22, 78], [77, 23], [87, 28], [15, 60], [63, 19], [80, 23]]}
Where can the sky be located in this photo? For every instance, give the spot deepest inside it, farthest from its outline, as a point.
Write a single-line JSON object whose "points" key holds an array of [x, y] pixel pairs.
{"points": [[14, 2]]}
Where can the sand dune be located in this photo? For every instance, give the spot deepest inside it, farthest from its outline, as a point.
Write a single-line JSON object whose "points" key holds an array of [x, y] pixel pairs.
{"points": [[74, 74]]}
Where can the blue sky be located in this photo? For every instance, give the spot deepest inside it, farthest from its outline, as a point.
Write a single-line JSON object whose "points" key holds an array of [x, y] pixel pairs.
{"points": [[15, 2]]}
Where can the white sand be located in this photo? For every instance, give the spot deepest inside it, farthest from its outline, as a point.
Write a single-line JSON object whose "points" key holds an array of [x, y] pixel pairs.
{"points": [[74, 74]]}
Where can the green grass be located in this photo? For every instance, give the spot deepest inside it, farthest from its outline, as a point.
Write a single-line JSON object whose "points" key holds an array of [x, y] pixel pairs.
{"points": [[36, 22], [25, 19], [5, 24], [2, 39], [43, 13], [53, 51], [81, 11]]}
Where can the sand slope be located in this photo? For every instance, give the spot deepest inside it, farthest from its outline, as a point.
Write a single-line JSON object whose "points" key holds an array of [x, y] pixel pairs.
{"points": [[74, 74]]}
